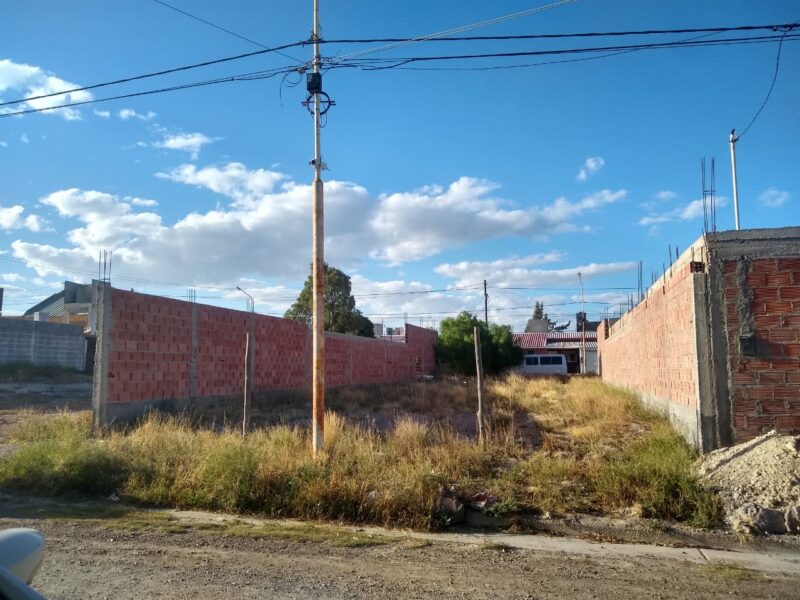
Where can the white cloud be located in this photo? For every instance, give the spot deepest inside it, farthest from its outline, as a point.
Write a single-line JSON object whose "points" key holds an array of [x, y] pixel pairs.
{"points": [[142, 201], [3, 144], [246, 187], [590, 166], [688, 212], [129, 113], [11, 218], [103, 114], [12, 277], [774, 198], [264, 229], [506, 274], [27, 81], [666, 196], [414, 225], [24, 138], [186, 142]]}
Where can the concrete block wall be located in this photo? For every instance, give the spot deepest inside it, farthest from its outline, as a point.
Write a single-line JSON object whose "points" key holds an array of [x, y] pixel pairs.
{"points": [[156, 350], [762, 299], [42, 343], [652, 350]]}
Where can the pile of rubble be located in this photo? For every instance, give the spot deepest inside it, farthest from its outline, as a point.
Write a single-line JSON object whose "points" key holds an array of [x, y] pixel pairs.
{"points": [[759, 483]]}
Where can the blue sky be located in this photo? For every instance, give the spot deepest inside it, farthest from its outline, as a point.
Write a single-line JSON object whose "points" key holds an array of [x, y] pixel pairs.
{"points": [[438, 179]]}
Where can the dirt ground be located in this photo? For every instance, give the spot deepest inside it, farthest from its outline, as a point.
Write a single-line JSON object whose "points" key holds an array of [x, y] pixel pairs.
{"points": [[85, 561]]}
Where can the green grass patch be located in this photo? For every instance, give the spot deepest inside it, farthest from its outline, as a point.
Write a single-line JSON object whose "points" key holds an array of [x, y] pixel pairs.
{"points": [[729, 572], [656, 473]]}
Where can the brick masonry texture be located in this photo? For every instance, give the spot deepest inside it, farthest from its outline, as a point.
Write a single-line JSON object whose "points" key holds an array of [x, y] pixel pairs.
{"points": [[151, 352], [42, 343], [734, 298], [652, 349], [762, 299]]}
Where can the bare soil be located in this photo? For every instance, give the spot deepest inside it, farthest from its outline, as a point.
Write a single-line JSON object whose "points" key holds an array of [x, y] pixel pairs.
{"points": [[87, 560]]}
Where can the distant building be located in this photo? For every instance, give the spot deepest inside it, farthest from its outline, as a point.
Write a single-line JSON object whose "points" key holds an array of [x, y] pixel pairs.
{"points": [[72, 305], [568, 343]]}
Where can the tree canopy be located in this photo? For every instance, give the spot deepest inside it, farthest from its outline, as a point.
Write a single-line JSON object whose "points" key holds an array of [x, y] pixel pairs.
{"points": [[341, 314], [456, 349]]}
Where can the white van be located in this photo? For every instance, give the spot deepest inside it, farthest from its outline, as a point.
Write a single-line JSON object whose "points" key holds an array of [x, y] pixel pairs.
{"points": [[544, 364]]}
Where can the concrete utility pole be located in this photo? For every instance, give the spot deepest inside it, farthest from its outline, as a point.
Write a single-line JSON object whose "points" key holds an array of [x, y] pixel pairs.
{"points": [[583, 328], [318, 260], [733, 139]]}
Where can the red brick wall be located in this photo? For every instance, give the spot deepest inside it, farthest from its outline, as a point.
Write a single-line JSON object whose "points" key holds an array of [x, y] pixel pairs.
{"points": [[151, 352], [762, 297], [652, 349], [151, 344]]}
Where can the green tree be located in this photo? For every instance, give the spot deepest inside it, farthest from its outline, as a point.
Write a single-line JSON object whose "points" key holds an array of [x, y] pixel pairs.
{"points": [[341, 314], [456, 349], [538, 311]]}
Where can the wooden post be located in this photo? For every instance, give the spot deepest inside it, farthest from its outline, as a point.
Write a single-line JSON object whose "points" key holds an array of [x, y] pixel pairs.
{"points": [[248, 382], [479, 376]]}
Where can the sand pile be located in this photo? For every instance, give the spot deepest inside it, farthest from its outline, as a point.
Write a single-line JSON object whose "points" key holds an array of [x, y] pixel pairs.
{"points": [[759, 482]]}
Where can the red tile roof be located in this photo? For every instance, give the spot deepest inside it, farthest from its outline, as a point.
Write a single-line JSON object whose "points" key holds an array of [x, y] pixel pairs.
{"points": [[529, 341]]}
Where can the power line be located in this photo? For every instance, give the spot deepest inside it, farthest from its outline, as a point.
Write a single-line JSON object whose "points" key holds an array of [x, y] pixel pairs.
{"points": [[244, 77], [772, 85], [461, 29], [537, 36], [228, 31], [366, 65], [156, 73], [372, 64], [540, 63]]}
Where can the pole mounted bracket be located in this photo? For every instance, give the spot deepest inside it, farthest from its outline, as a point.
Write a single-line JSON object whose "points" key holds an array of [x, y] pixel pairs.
{"points": [[325, 103], [323, 166]]}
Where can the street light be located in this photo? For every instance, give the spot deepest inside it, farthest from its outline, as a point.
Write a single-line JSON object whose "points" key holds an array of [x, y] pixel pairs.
{"points": [[252, 300]]}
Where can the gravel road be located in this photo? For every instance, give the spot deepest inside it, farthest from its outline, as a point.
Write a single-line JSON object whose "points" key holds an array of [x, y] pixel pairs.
{"points": [[91, 561]]}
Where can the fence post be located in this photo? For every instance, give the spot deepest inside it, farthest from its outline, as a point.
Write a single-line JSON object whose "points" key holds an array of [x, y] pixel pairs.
{"points": [[248, 382], [479, 374]]}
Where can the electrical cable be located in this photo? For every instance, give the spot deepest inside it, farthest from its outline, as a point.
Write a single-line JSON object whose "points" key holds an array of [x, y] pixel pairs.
{"points": [[370, 65], [228, 31], [771, 86], [156, 73], [257, 75], [461, 29], [537, 36], [336, 61]]}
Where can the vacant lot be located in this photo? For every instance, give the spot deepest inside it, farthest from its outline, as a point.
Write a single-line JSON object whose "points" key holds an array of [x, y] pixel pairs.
{"points": [[551, 446]]}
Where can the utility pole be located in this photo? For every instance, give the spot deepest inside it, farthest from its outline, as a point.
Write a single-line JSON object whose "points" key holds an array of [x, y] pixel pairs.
{"points": [[485, 303], [314, 87], [583, 328], [733, 139]]}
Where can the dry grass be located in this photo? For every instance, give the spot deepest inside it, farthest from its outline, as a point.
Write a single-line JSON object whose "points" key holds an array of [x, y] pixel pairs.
{"points": [[601, 453]]}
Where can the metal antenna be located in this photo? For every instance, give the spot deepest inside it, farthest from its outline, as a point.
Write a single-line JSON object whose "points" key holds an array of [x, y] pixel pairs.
{"points": [[703, 190], [714, 199]]}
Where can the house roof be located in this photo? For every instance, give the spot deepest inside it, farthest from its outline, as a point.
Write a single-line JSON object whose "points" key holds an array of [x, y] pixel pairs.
{"points": [[52, 305], [572, 344], [529, 341], [571, 335]]}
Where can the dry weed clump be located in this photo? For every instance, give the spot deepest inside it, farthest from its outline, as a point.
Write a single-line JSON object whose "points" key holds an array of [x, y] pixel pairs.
{"points": [[601, 453]]}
